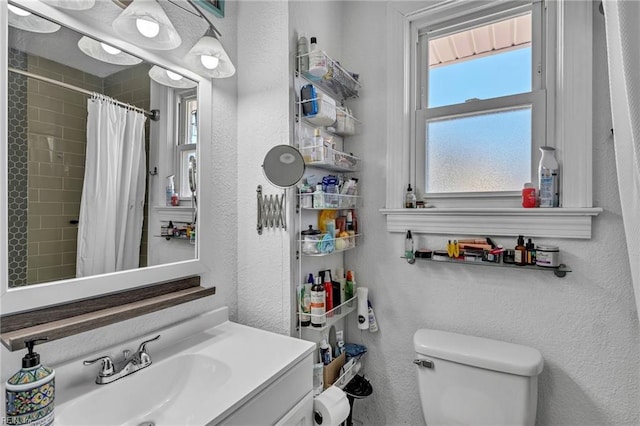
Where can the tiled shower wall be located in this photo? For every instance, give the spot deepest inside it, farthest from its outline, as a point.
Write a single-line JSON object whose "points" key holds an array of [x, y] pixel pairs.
{"points": [[56, 137], [57, 141], [17, 170]]}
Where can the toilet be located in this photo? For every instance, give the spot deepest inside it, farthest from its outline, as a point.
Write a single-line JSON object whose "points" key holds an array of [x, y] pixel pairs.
{"points": [[468, 380]]}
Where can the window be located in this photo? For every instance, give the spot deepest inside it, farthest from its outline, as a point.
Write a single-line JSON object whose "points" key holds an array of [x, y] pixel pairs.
{"points": [[565, 81], [480, 108], [187, 138]]}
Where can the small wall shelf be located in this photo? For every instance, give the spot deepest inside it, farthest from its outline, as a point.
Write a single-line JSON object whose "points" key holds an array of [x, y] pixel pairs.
{"points": [[560, 271], [338, 82], [334, 315]]}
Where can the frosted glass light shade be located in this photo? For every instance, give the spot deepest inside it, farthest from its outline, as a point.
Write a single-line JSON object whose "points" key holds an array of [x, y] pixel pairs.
{"points": [[168, 78], [27, 21], [72, 4], [210, 46], [126, 25], [95, 49]]}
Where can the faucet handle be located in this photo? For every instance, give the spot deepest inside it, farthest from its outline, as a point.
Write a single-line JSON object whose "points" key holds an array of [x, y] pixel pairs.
{"points": [[143, 345], [143, 355], [107, 365]]}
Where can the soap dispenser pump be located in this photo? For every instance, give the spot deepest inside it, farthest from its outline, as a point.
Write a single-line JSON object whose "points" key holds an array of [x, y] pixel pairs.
{"points": [[30, 392]]}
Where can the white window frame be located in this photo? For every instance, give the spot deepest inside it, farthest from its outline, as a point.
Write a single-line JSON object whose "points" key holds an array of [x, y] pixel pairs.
{"points": [[569, 52], [183, 122], [422, 30]]}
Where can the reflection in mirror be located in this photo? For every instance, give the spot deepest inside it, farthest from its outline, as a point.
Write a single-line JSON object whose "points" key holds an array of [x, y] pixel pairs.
{"points": [[81, 192]]}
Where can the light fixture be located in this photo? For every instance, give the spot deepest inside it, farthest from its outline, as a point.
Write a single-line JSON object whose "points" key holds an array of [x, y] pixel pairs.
{"points": [[170, 78], [106, 53], [207, 56], [25, 20], [145, 24], [72, 4]]}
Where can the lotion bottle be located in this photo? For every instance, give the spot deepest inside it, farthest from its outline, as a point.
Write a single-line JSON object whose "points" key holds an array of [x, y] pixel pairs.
{"points": [[317, 60], [30, 393], [317, 304], [363, 308]]}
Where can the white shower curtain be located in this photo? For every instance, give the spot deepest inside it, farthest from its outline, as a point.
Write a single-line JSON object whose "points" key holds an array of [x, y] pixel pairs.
{"points": [[622, 20], [111, 209]]}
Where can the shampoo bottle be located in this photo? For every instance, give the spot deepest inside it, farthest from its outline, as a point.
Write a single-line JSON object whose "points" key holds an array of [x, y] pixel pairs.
{"points": [[30, 392], [317, 304], [328, 293], [548, 184]]}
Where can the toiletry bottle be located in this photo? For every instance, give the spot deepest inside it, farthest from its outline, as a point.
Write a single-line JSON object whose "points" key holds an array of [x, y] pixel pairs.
{"points": [[531, 252], [410, 198], [337, 297], [303, 53], [317, 304], [170, 189], [373, 324], [520, 255], [30, 392], [529, 198], [408, 246], [317, 60], [548, 178], [343, 285], [317, 155], [325, 352], [350, 288], [305, 304], [363, 308], [318, 197], [328, 294]]}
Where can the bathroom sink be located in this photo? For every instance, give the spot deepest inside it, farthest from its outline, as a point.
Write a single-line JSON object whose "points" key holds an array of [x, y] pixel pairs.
{"points": [[166, 393]]}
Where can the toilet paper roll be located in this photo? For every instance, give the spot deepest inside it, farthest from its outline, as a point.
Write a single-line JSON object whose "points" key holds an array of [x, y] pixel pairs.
{"points": [[331, 407]]}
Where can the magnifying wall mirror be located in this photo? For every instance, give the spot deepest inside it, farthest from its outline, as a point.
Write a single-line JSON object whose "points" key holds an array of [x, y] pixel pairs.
{"points": [[58, 158]]}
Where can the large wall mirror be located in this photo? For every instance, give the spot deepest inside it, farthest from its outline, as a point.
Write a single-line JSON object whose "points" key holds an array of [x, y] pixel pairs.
{"points": [[89, 163]]}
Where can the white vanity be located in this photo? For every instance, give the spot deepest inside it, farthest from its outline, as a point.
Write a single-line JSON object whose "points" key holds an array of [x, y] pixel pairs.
{"points": [[205, 371]]}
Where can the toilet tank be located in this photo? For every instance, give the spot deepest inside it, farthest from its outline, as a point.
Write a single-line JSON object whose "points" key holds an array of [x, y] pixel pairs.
{"points": [[467, 380]]}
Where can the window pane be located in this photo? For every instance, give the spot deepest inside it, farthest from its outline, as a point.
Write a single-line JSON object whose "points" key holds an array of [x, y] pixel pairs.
{"points": [[185, 158], [484, 62], [487, 152]]}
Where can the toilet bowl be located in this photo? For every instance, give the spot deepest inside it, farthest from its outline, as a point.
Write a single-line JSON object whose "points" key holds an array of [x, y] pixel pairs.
{"points": [[465, 380]]}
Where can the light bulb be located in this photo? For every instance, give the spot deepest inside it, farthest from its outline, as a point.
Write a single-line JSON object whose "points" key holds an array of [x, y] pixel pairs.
{"points": [[209, 62], [173, 76], [148, 27], [18, 11], [110, 49]]}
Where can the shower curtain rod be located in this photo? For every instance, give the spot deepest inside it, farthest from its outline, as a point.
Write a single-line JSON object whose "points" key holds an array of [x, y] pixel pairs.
{"points": [[154, 114]]}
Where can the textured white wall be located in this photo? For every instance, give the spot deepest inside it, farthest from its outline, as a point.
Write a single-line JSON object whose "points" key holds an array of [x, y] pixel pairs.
{"points": [[263, 121], [585, 325]]}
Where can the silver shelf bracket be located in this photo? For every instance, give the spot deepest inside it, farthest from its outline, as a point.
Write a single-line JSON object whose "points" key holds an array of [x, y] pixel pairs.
{"points": [[271, 210]]}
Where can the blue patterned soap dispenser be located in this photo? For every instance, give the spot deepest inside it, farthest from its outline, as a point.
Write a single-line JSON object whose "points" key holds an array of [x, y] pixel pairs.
{"points": [[30, 392]]}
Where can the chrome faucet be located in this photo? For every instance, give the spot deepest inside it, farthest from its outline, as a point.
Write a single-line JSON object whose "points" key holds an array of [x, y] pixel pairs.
{"points": [[110, 371]]}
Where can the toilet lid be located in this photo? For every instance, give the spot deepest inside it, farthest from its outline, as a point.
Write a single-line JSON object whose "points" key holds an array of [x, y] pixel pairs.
{"points": [[479, 352]]}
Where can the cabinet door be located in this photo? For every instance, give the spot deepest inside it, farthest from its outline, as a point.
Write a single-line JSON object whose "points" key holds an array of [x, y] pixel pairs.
{"points": [[301, 414]]}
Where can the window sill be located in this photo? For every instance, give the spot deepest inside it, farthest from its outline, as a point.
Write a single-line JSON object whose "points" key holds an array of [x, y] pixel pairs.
{"points": [[552, 222]]}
